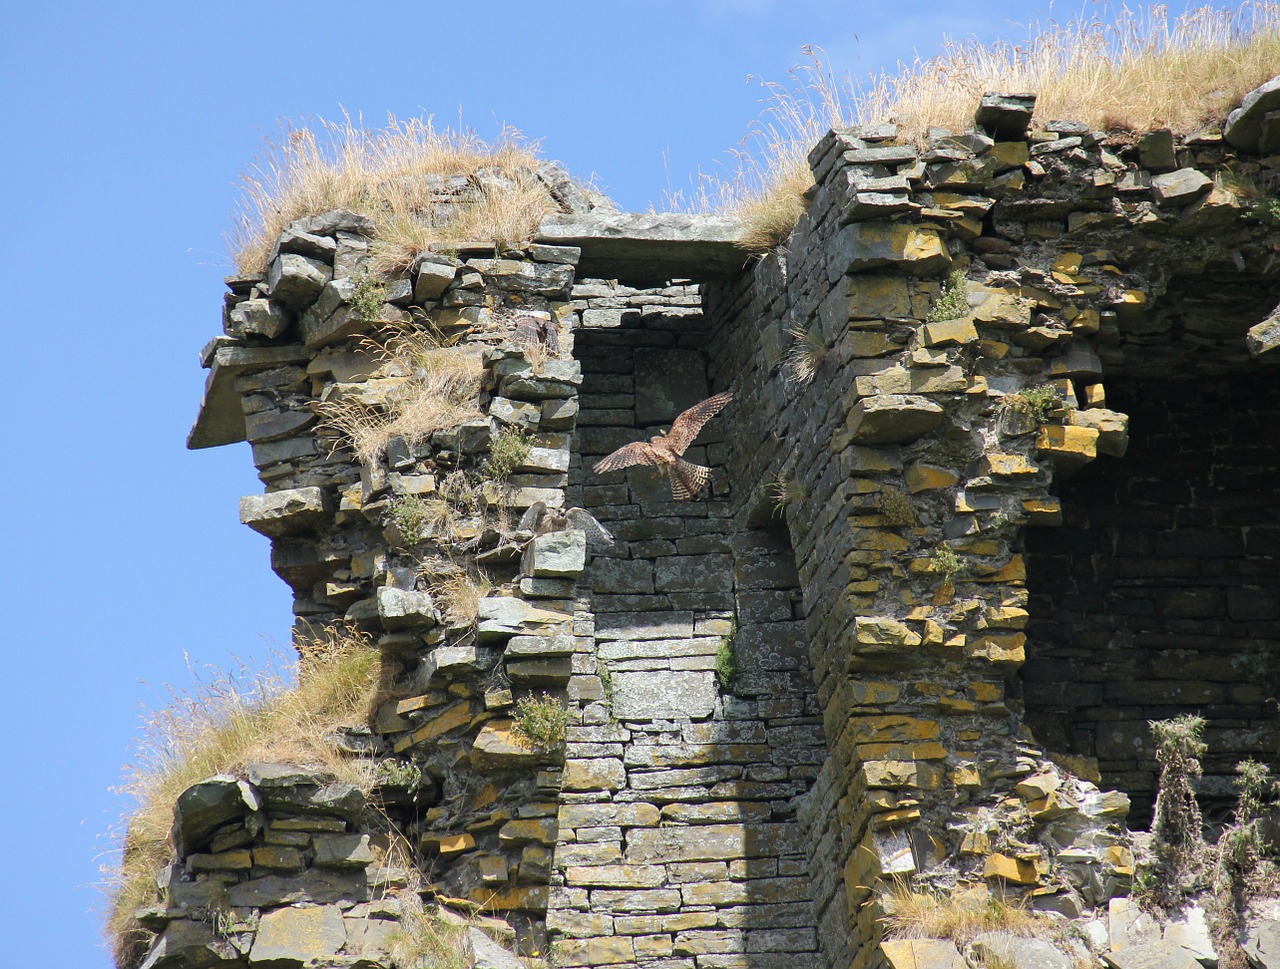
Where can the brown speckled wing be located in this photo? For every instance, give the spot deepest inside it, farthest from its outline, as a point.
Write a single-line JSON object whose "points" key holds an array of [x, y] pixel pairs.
{"points": [[686, 427], [637, 452]]}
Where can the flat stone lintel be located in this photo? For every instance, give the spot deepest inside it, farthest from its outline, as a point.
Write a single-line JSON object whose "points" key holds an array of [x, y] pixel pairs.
{"points": [[648, 249], [221, 419]]}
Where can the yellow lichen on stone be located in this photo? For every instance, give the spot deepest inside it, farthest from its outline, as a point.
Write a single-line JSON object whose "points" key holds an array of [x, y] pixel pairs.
{"points": [[928, 477], [1015, 870]]}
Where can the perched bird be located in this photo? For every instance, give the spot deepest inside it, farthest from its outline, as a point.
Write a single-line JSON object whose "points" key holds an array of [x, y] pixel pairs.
{"points": [[664, 451], [539, 520]]}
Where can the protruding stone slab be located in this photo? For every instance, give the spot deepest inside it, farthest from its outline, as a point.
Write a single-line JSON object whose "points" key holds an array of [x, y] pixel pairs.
{"points": [[1005, 949], [221, 418], [1178, 188], [286, 512], [206, 806], [1265, 336], [648, 249], [1151, 955], [1245, 124], [186, 944], [405, 609], [1006, 117], [556, 555], [893, 418], [917, 250]]}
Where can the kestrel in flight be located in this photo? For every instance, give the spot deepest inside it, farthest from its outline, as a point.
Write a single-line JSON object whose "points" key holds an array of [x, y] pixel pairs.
{"points": [[664, 451]]}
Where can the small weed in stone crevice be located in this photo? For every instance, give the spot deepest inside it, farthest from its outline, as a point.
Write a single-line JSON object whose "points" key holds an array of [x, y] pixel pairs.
{"points": [[727, 659], [1038, 403], [952, 303], [897, 508], [947, 563], [508, 450], [368, 297], [541, 720]]}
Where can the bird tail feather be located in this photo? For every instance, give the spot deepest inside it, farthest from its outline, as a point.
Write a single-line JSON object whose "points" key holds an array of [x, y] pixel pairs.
{"points": [[687, 479]]}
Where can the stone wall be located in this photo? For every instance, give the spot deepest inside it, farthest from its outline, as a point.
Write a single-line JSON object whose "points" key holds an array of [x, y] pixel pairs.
{"points": [[951, 333]]}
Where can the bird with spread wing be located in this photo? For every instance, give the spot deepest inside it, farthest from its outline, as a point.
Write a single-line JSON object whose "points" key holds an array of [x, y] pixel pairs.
{"points": [[539, 520], [664, 451]]}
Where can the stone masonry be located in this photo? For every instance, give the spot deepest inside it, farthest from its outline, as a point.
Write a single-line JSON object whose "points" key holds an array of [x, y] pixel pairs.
{"points": [[910, 632]]}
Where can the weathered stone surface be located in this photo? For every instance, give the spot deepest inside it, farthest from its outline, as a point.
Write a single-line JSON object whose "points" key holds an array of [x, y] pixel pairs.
{"points": [[297, 280], [1005, 116], [258, 317], [1262, 943], [432, 279], [922, 954], [1181, 186], [556, 555], [294, 936], [221, 417], [893, 418], [342, 850], [1265, 336], [650, 248], [406, 609], [661, 694], [499, 745], [487, 954], [1151, 955], [287, 512], [1244, 125], [867, 245], [1019, 953], [187, 944], [206, 806]]}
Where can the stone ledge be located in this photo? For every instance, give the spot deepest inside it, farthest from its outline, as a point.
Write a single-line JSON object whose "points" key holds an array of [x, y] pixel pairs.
{"points": [[647, 249]]}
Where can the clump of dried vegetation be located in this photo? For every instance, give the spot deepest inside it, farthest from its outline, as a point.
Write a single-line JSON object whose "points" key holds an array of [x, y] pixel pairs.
{"points": [[224, 723], [395, 175], [1132, 72], [457, 587], [960, 916], [441, 391]]}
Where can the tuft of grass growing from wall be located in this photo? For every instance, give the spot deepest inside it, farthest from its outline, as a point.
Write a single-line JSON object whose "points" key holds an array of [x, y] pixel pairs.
{"points": [[508, 450], [805, 355], [897, 508], [541, 720], [225, 723], [441, 391], [390, 174], [1039, 403], [959, 916]]}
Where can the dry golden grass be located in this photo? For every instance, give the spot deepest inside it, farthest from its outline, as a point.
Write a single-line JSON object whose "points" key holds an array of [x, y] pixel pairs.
{"points": [[1132, 73], [959, 916], [442, 391], [457, 588], [223, 725], [1136, 72], [388, 174]]}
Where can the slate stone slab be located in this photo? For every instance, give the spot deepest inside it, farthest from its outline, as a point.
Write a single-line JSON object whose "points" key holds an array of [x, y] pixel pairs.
{"points": [[186, 944], [1151, 955], [206, 806], [648, 249], [663, 695], [291, 937], [1245, 124], [1019, 953], [284, 512]]}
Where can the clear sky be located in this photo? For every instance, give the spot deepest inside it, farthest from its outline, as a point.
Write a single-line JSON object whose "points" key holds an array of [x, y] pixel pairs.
{"points": [[126, 126]]}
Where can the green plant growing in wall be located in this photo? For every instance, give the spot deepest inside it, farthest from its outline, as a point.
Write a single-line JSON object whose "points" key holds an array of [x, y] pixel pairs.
{"points": [[952, 303], [368, 297], [1241, 868], [413, 517], [1039, 403], [727, 659], [897, 508], [541, 720], [508, 449], [1177, 827], [947, 563]]}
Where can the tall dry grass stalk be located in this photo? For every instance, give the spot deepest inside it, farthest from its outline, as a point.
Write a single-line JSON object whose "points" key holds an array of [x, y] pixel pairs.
{"points": [[224, 723], [441, 391], [1130, 72], [1133, 72], [391, 174]]}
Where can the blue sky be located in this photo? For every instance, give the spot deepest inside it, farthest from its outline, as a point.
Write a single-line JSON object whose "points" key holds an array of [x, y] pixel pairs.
{"points": [[126, 126]]}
